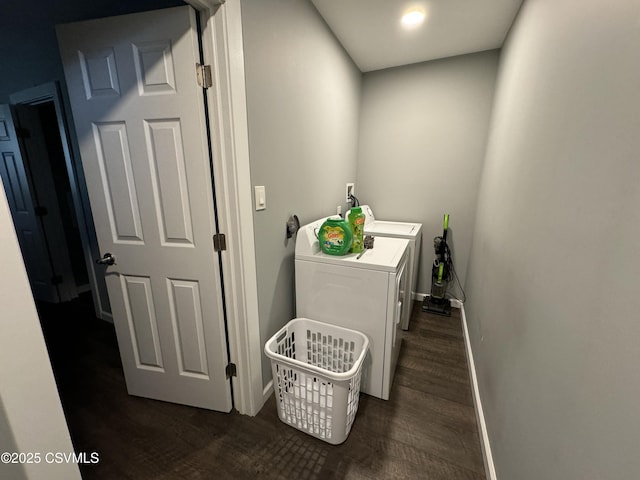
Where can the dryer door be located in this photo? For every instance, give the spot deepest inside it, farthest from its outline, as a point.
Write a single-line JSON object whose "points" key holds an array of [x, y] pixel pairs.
{"points": [[403, 307], [398, 285]]}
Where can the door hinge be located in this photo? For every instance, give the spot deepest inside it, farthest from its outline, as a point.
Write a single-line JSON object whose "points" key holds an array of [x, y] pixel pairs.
{"points": [[231, 370], [219, 242], [40, 211], [203, 74], [56, 280]]}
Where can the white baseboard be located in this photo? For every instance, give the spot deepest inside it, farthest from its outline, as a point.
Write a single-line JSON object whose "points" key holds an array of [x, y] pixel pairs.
{"points": [[489, 467], [455, 303], [419, 296]]}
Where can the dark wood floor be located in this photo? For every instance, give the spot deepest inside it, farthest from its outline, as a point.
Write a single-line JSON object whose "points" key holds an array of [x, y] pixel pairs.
{"points": [[427, 430]]}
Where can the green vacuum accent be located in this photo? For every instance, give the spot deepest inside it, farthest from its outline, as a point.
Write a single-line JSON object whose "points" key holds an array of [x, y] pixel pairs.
{"points": [[445, 224], [440, 272]]}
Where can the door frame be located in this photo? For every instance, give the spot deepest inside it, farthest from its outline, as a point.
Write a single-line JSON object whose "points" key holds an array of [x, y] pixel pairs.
{"points": [[221, 24], [50, 92]]}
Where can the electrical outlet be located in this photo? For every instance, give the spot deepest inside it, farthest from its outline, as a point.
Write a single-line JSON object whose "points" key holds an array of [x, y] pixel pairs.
{"points": [[351, 190]]}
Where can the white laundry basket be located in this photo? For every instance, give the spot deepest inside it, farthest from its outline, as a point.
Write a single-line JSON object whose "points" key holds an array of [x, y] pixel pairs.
{"points": [[316, 376]]}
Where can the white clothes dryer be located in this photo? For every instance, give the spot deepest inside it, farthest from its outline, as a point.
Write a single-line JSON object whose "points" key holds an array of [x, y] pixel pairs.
{"points": [[364, 293], [410, 231]]}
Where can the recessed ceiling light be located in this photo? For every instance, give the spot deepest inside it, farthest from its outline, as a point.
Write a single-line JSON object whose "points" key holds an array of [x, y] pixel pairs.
{"points": [[413, 17]]}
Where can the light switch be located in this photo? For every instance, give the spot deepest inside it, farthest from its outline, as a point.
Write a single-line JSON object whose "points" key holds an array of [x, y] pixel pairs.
{"points": [[261, 197]]}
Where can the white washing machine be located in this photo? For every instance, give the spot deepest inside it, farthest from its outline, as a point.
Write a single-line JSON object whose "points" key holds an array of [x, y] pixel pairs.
{"points": [[409, 231], [365, 294]]}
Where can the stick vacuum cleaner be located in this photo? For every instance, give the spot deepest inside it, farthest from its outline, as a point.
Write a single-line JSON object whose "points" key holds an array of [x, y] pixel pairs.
{"points": [[440, 275]]}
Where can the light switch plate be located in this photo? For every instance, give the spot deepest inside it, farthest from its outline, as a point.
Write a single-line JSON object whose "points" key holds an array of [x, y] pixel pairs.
{"points": [[261, 197]]}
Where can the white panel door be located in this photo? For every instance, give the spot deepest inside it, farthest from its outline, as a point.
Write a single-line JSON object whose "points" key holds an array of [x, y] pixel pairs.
{"points": [[38, 162], [29, 228], [139, 116]]}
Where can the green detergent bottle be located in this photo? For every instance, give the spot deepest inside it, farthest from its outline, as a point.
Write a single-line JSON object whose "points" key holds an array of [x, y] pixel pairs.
{"points": [[356, 221], [335, 236]]}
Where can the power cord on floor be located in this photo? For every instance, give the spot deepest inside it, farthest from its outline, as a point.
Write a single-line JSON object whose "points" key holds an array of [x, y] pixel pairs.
{"points": [[459, 285], [449, 266]]}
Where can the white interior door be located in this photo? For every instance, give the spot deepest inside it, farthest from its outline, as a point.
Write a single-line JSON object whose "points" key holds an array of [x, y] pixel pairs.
{"points": [[37, 159], [29, 229], [139, 116]]}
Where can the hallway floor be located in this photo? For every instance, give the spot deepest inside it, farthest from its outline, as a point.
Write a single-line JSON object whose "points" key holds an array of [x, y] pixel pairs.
{"points": [[427, 430]]}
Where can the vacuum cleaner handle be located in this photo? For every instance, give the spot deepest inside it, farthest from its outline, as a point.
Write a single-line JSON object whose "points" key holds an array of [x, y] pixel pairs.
{"points": [[445, 226]]}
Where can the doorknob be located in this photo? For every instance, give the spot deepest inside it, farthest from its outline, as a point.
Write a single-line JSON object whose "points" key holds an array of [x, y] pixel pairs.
{"points": [[107, 259]]}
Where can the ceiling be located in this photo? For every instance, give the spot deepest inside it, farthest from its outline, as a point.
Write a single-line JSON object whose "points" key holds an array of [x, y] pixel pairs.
{"points": [[371, 32]]}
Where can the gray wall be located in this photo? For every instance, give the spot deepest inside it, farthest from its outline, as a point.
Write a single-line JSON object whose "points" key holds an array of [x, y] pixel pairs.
{"points": [[423, 135], [303, 97], [555, 262]]}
